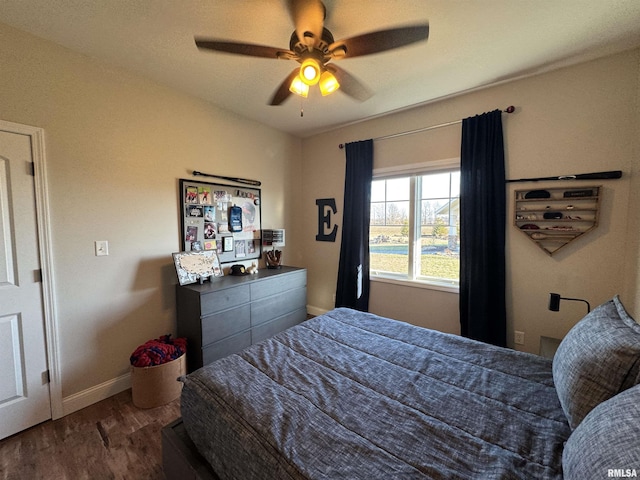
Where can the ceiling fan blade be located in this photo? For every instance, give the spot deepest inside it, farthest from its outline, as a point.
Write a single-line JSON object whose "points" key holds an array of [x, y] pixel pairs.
{"points": [[349, 84], [379, 41], [282, 93], [308, 17], [244, 49]]}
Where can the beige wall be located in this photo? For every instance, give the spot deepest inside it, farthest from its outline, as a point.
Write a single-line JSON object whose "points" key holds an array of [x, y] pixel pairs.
{"points": [[579, 119], [632, 272], [116, 146]]}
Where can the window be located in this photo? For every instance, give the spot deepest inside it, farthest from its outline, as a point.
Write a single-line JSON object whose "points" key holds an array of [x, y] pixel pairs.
{"points": [[415, 227]]}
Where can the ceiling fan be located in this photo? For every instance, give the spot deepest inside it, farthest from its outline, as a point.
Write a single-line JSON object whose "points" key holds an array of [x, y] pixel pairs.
{"points": [[313, 46]]}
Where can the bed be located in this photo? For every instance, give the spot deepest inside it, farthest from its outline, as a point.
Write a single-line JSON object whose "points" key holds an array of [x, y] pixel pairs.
{"points": [[351, 395]]}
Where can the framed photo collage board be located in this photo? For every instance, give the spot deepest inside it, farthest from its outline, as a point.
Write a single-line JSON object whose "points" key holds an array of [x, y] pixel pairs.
{"points": [[219, 218]]}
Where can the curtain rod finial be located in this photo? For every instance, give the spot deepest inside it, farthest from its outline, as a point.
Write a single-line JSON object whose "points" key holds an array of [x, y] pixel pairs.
{"points": [[341, 146], [510, 109]]}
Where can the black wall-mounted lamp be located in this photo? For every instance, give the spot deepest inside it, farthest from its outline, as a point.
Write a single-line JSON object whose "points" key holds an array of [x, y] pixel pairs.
{"points": [[554, 302]]}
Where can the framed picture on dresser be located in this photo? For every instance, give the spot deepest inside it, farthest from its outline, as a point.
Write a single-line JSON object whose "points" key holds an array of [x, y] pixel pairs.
{"points": [[196, 265]]}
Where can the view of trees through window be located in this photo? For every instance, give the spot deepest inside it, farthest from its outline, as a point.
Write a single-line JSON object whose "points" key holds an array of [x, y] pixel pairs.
{"points": [[416, 235]]}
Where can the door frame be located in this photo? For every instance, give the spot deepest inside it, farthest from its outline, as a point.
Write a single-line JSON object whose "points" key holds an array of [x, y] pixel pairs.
{"points": [[36, 135]]}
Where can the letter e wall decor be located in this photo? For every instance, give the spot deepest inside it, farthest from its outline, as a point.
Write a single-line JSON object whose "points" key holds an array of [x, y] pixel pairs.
{"points": [[325, 207]]}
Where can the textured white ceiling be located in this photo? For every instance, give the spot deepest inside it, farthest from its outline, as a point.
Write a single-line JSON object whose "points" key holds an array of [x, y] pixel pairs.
{"points": [[472, 43]]}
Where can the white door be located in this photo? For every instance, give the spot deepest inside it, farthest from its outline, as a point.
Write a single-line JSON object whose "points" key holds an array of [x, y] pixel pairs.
{"points": [[24, 387]]}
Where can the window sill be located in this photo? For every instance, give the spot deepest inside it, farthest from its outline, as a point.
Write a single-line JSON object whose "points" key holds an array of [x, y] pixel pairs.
{"points": [[442, 287]]}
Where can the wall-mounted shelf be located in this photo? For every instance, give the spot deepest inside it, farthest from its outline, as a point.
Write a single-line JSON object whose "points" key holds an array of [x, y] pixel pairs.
{"points": [[553, 221]]}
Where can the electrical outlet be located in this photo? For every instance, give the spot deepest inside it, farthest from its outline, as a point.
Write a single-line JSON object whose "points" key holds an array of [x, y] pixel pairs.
{"points": [[102, 248], [518, 338]]}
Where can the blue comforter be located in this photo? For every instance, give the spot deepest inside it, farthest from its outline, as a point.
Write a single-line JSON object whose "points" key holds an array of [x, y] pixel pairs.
{"points": [[350, 395]]}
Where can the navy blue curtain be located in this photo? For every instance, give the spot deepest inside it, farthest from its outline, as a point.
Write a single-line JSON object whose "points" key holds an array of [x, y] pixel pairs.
{"points": [[482, 229], [352, 289]]}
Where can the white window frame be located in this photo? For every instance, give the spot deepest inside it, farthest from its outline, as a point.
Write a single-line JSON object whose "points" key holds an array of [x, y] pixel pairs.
{"points": [[415, 170]]}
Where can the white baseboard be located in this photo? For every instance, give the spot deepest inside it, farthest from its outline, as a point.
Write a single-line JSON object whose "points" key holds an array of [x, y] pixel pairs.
{"points": [[315, 311], [92, 395]]}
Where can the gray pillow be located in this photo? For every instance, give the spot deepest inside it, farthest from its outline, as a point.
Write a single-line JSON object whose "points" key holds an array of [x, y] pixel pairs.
{"points": [[599, 357], [607, 439]]}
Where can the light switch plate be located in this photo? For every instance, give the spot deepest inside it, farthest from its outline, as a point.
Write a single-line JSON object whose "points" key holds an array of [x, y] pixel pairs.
{"points": [[102, 248]]}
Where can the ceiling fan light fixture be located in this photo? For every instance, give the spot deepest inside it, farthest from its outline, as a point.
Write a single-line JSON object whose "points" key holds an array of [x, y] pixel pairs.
{"points": [[299, 87], [328, 83], [312, 46], [310, 71]]}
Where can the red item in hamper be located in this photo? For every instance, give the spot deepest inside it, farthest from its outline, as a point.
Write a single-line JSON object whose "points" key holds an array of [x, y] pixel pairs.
{"points": [[159, 351]]}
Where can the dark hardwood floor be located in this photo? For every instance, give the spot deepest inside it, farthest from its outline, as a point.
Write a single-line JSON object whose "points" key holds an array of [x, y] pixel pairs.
{"points": [[111, 439]]}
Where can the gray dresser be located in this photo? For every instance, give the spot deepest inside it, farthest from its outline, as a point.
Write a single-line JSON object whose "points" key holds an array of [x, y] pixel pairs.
{"points": [[230, 313]]}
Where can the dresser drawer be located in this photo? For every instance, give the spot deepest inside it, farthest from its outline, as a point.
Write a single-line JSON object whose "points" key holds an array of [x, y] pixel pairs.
{"points": [[223, 324], [268, 329], [225, 347], [224, 299], [277, 305], [278, 284]]}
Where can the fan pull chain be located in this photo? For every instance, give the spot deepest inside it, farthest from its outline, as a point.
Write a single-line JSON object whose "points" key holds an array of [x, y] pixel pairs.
{"points": [[301, 107]]}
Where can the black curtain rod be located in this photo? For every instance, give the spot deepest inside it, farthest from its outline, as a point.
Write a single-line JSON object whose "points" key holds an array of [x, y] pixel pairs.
{"points": [[509, 109]]}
